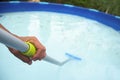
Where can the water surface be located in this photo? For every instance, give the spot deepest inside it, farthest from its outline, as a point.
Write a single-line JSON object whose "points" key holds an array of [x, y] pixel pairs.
{"points": [[96, 44]]}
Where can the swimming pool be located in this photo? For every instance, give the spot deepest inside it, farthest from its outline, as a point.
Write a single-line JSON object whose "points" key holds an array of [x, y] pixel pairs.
{"points": [[88, 34]]}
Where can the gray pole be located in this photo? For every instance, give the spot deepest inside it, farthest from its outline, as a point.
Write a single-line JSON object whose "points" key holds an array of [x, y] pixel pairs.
{"points": [[13, 42]]}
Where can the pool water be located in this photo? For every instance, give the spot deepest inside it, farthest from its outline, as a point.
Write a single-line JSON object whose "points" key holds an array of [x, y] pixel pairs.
{"points": [[96, 44]]}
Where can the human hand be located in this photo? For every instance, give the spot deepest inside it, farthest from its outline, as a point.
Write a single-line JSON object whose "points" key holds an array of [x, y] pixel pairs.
{"points": [[40, 53]]}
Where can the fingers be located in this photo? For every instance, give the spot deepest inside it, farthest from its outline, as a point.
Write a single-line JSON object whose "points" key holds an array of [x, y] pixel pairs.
{"points": [[20, 56], [40, 53], [41, 50]]}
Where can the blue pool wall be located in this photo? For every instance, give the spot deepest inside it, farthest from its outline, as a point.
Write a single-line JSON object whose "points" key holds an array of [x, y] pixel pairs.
{"points": [[107, 19]]}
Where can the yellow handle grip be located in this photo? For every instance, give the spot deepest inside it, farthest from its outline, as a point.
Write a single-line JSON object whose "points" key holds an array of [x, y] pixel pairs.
{"points": [[31, 51]]}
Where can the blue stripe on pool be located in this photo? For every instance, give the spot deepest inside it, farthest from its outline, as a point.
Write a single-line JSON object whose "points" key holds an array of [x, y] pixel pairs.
{"points": [[68, 5], [44, 3], [94, 10], [14, 1], [117, 17]]}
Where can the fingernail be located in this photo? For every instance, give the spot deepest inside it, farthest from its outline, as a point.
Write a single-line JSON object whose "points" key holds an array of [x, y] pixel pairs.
{"points": [[34, 59], [30, 62]]}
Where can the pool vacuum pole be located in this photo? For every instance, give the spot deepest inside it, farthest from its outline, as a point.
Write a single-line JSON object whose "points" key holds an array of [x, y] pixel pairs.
{"points": [[26, 48]]}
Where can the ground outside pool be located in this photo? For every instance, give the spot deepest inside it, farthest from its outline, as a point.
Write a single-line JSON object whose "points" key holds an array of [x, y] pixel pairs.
{"points": [[90, 35]]}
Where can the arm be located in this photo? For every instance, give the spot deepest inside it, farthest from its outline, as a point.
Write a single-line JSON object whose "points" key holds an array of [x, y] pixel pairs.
{"points": [[40, 53], [3, 28]]}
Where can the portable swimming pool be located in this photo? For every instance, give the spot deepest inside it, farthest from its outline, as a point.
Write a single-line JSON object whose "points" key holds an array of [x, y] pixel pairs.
{"points": [[88, 34]]}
